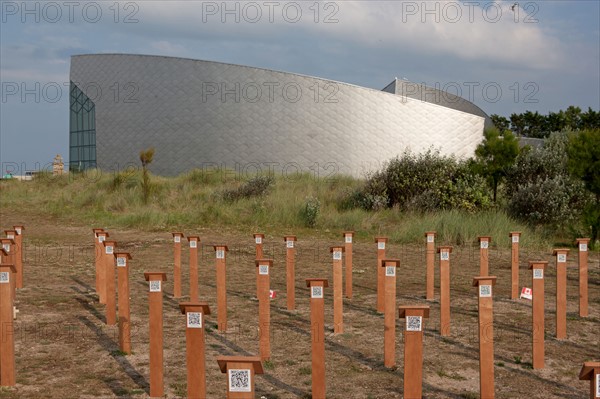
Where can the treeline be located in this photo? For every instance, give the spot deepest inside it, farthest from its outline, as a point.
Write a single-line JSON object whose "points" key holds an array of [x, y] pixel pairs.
{"points": [[536, 125]]}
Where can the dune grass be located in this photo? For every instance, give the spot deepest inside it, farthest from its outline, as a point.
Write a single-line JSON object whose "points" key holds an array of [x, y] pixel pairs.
{"points": [[195, 199]]}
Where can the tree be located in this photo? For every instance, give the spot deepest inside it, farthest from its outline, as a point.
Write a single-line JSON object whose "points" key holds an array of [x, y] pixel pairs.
{"points": [[146, 157], [495, 155], [584, 162], [501, 123]]}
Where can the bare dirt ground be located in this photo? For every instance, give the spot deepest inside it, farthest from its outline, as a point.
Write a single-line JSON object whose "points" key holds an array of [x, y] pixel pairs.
{"points": [[65, 350]]}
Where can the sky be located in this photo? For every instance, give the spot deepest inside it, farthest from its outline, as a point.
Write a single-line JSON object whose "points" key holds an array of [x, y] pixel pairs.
{"points": [[505, 56]]}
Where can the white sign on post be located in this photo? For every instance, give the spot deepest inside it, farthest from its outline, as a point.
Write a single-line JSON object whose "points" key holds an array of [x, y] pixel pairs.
{"points": [[414, 323], [239, 381], [444, 255], [155, 285], [10, 236], [194, 320], [430, 238], [348, 239], [390, 271], [485, 291], [515, 239], [177, 238], [561, 258], [381, 245], [484, 244], [258, 240], [6, 247], [109, 249], [289, 244], [121, 262], [526, 293], [193, 244], [220, 254], [4, 277], [263, 269], [583, 247], [337, 255], [18, 230], [538, 274], [597, 384], [101, 238], [316, 292]]}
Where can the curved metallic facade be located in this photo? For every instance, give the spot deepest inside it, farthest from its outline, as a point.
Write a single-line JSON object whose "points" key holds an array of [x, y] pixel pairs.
{"points": [[207, 115]]}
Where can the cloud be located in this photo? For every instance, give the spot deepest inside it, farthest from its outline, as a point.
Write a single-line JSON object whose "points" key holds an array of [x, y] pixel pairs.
{"points": [[167, 48]]}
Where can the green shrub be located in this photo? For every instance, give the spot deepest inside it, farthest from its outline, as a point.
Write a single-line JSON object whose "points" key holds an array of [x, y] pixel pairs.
{"points": [[310, 211]]}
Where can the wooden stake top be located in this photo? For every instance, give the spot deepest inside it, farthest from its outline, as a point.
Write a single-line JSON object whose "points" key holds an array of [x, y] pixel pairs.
{"points": [[445, 248], [10, 267], [18, 227], [423, 309], [582, 240], [430, 233], [348, 233], [485, 238], [215, 247], [560, 251], [109, 243], [194, 306], [123, 255], [381, 239], [289, 238], [310, 281], [259, 262], [153, 276], [7, 232], [96, 231], [587, 370], [177, 233], [193, 238], [514, 233], [337, 248], [102, 233], [390, 262], [256, 235], [481, 279], [541, 264], [7, 241], [252, 361]]}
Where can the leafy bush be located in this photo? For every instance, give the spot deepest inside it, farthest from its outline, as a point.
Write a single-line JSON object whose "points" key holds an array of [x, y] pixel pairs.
{"points": [[423, 182], [255, 187], [310, 211]]}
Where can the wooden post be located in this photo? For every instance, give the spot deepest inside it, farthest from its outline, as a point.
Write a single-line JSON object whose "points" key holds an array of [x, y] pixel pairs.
{"points": [[484, 286], [430, 255], [582, 244], [561, 292], [484, 256], [19, 254], [123, 259], [109, 275], [221, 254], [591, 371], [381, 243], [98, 249], [7, 339], [338, 300], [317, 327], [538, 269], [389, 331], [348, 237], [177, 236], [155, 299], [264, 307], [290, 266], [514, 267], [194, 291], [445, 252], [8, 258], [258, 241], [413, 349], [195, 347], [240, 375], [100, 256]]}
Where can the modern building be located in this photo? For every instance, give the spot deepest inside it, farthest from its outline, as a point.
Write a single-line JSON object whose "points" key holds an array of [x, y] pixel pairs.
{"points": [[207, 115]]}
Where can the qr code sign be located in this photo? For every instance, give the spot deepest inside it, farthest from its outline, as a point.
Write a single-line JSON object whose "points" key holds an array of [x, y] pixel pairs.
{"points": [[239, 381], [316, 292], [4, 277], [337, 255], [155, 286], [10, 236], [289, 244], [177, 239], [444, 255], [348, 239], [485, 244], [194, 320], [220, 254], [381, 245], [538, 274], [562, 258], [121, 262], [193, 244], [515, 239], [390, 271], [430, 238], [109, 249], [263, 269], [259, 240], [101, 238], [583, 247], [18, 230], [413, 323], [485, 291], [597, 384]]}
